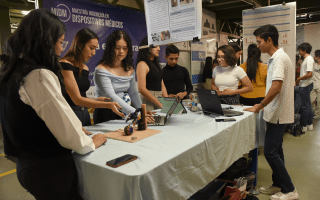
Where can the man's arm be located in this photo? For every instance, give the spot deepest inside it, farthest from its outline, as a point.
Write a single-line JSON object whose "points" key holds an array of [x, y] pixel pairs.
{"points": [[187, 81], [308, 75], [272, 93]]}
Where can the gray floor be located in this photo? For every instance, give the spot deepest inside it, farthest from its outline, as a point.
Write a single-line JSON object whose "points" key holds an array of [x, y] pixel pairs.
{"points": [[301, 154]]}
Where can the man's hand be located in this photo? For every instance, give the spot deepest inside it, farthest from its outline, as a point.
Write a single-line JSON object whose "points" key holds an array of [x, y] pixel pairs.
{"points": [[181, 95], [115, 107], [172, 95], [149, 116], [102, 99], [99, 139], [297, 82], [254, 108]]}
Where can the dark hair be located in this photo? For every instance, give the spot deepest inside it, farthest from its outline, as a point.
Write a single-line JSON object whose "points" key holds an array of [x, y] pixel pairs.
{"points": [[32, 46], [215, 61], [208, 64], [236, 48], [172, 49], [297, 58], [317, 53], [74, 54], [229, 54], [109, 54], [267, 31], [252, 61], [144, 55], [305, 47]]}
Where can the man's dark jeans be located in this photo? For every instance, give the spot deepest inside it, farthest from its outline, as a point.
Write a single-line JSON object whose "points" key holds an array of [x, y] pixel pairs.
{"points": [[306, 108], [274, 154]]}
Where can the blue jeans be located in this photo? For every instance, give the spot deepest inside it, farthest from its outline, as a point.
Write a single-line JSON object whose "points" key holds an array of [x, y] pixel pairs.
{"points": [[274, 155], [306, 108]]}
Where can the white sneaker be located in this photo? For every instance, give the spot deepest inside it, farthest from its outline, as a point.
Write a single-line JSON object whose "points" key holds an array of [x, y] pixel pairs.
{"points": [[304, 129], [269, 190], [288, 196], [310, 127]]}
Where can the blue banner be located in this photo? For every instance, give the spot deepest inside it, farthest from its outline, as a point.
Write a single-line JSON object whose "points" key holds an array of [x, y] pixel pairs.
{"points": [[102, 19]]}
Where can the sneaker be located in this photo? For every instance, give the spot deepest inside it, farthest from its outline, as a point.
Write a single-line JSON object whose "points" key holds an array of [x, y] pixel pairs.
{"points": [[269, 190], [288, 196], [310, 127], [304, 129]]}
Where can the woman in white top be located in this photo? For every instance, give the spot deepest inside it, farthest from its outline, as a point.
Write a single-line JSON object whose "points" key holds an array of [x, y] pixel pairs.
{"points": [[226, 76], [39, 126]]}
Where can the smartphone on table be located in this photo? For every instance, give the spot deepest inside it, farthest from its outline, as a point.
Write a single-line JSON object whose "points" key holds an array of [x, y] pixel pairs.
{"points": [[121, 160]]}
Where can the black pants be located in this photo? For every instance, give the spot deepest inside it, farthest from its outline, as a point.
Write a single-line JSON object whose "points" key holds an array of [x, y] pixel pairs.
{"points": [[83, 116], [104, 114], [250, 101], [49, 178]]}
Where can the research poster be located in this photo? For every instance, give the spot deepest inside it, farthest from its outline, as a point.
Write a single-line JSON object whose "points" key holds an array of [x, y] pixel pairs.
{"points": [[281, 16], [198, 58], [171, 21], [102, 19]]}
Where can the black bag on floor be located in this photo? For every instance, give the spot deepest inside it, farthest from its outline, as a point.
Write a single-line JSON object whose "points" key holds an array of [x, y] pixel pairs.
{"points": [[295, 128], [236, 169]]}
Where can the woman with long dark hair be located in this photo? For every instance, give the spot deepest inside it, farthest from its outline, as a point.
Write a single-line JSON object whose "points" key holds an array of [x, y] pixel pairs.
{"points": [[227, 76], [76, 76], [39, 127], [207, 72], [114, 77], [149, 76], [257, 73]]}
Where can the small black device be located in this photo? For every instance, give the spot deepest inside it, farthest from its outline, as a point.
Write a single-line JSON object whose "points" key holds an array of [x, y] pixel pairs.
{"points": [[121, 160], [226, 120]]}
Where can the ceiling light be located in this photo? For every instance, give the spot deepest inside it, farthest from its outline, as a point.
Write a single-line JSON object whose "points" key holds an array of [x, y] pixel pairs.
{"points": [[25, 12]]}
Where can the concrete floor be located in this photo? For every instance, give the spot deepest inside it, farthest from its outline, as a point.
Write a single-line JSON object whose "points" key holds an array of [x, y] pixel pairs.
{"points": [[301, 154]]}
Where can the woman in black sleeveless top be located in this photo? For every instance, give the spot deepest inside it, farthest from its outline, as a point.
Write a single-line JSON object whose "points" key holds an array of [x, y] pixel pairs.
{"points": [[76, 76], [149, 76]]}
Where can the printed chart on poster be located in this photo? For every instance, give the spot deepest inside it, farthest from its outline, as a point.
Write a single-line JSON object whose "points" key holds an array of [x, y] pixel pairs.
{"points": [[171, 21], [281, 16], [198, 58]]}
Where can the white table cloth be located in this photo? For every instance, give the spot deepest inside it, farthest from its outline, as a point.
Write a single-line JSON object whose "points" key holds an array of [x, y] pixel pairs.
{"points": [[190, 152]]}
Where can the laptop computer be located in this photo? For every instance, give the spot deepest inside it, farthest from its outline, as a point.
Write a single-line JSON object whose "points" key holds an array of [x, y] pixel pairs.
{"points": [[210, 104], [162, 120], [167, 103]]}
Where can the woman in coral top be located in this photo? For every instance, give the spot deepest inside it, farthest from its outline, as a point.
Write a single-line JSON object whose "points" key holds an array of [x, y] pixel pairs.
{"points": [[257, 73]]}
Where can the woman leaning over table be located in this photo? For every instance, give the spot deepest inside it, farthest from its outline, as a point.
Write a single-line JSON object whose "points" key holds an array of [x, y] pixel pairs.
{"points": [[114, 77], [76, 76], [226, 76], [149, 76], [39, 127], [257, 73]]}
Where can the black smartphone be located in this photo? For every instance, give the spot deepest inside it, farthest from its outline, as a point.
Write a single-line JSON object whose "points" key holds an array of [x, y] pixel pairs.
{"points": [[226, 120], [121, 160]]}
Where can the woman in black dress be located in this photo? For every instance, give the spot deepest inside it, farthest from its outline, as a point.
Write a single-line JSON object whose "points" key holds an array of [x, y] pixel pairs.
{"points": [[149, 76], [76, 73]]}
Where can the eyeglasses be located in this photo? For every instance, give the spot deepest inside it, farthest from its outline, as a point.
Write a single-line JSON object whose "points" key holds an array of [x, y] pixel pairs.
{"points": [[220, 57], [64, 44]]}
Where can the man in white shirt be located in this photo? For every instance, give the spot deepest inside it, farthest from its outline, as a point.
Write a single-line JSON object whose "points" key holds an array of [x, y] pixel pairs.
{"points": [[315, 93], [278, 111], [306, 85]]}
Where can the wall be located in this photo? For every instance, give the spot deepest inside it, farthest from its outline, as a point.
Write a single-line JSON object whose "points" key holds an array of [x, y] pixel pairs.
{"points": [[312, 36]]}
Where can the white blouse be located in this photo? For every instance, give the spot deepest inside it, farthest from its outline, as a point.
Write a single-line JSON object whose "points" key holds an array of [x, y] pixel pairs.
{"points": [[42, 91]]}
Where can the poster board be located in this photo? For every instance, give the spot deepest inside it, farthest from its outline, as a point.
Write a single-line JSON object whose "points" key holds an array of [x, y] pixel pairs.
{"points": [[171, 21], [283, 17]]}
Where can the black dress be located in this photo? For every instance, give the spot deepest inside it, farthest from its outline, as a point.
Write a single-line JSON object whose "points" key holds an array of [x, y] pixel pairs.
{"points": [[153, 79], [83, 85]]}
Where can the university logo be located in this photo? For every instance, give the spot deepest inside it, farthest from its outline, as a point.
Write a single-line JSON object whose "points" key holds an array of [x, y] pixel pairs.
{"points": [[62, 11]]}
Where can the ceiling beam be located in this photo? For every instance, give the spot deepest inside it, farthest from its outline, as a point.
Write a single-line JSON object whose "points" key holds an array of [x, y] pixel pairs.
{"points": [[220, 3], [26, 6], [114, 2], [140, 4]]}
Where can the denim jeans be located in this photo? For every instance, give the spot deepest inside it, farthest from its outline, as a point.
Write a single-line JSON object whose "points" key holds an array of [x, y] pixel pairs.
{"points": [[274, 155], [306, 108]]}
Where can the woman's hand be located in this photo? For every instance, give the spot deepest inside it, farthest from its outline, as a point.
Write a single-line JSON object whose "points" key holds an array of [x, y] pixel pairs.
{"points": [[227, 92], [115, 107], [99, 139], [102, 99], [86, 132], [149, 115]]}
